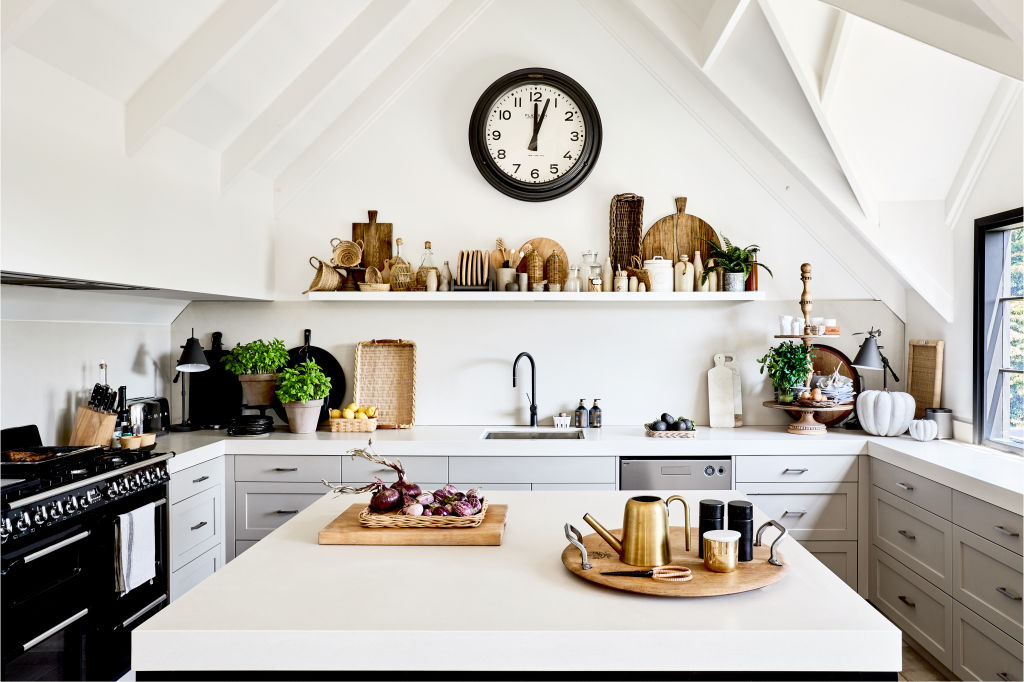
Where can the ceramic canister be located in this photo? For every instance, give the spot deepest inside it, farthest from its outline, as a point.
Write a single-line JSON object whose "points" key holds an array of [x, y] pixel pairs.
{"points": [[660, 271]]}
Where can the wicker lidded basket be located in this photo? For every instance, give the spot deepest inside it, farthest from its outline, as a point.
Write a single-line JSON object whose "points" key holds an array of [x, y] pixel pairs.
{"points": [[625, 226], [554, 268], [326, 277], [369, 519], [534, 268], [385, 376]]}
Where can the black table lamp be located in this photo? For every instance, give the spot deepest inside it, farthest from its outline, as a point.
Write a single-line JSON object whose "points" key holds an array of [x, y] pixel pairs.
{"points": [[870, 357], [192, 359]]}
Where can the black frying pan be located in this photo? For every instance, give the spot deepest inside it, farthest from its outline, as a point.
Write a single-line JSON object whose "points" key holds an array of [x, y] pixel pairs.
{"points": [[328, 364]]}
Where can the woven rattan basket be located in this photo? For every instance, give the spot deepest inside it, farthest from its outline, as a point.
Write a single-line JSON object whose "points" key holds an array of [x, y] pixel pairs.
{"points": [[534, 268], [353, 425], [346, 253], [373, 276], [366, 286], [385, 376], [670, 434], [554, 268], [624, 228], [637, 270], [401, 276], [326, 277], [394, 520]]}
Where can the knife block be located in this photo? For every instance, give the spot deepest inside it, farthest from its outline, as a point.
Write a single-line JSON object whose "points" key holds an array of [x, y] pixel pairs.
{"points": [[92, 427]]}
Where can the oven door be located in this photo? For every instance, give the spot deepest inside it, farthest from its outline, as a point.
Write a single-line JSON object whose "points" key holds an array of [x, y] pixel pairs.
{"points": [[110, 650], [46, 614]]}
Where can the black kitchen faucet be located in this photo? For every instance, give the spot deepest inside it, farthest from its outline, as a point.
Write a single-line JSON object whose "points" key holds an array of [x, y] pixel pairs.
{"points": [[533, 384]]}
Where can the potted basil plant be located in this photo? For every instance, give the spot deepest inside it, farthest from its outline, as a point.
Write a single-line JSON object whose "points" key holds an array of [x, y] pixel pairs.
{"points": [[256, 364], [302, 389], [736, 263], [787, 365]]}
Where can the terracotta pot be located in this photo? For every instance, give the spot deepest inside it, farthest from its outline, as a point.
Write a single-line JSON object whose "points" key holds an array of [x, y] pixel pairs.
{"points": [[258, 389], [303, 415], [735, 281]]}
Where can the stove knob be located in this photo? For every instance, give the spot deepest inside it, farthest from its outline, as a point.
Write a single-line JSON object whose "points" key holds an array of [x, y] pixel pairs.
{"points": [[23, 522], [5, 530], [72, 505], [112, 490], [147, 478], [56, 509], [134, 482], [40, 516]]}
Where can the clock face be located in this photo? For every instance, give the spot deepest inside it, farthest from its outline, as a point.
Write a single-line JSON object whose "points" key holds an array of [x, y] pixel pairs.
{"points": [[535, 134]]}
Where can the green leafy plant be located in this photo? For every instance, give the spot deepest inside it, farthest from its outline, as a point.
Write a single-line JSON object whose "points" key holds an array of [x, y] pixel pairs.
{"points": [[731, 258], [306, 381], [256, 357], [788, 365]]}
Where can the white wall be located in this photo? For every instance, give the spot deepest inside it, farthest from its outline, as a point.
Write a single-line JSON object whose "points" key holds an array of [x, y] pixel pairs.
{"points": [[641, 359], [999, 188], [75, 205]]}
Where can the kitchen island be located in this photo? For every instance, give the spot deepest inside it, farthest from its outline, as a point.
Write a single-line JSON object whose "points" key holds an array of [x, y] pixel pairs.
{"points": [[289, 605]]}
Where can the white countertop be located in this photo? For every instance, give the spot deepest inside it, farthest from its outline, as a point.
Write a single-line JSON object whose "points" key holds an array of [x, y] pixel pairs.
{"points": [[990, 475], [291, 604]]}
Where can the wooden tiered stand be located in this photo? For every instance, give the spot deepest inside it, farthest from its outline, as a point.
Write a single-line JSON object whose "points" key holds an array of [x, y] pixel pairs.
{"points": [[806, 424]]}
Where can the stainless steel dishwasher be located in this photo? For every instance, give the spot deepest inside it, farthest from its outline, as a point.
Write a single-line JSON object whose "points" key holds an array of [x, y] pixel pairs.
{"points": [[675, 473]]}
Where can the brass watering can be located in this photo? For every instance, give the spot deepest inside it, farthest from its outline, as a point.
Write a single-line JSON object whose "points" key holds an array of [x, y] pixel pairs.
{"points": [[644, 531]]}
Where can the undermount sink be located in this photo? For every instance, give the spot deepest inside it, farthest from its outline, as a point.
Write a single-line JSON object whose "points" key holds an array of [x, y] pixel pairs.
{"points": [[574, 434]]}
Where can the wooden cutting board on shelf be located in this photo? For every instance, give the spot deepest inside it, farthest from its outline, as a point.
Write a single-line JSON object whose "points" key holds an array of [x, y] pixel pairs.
{"points": [[924, 374], [346, 530], [678, 234], [545, 247], [376, 238]]}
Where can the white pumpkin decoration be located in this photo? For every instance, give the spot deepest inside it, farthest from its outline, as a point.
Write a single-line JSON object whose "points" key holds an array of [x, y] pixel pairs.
{"points": [[885, 413], [924, 429]]}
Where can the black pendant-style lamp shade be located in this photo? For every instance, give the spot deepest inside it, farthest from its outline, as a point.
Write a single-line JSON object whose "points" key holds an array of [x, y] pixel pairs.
{"points": [[868, 357], [192, 359]]}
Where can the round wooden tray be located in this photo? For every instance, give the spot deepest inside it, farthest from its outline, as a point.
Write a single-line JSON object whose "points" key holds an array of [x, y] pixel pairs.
{"points": [[806, 425], [749, 575]]}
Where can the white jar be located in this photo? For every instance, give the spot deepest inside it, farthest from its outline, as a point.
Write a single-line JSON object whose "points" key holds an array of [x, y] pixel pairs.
{"points": [[660, 271]]}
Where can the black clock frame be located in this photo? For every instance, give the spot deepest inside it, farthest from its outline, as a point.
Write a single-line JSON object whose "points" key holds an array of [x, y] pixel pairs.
{"points": [[525, 191]]}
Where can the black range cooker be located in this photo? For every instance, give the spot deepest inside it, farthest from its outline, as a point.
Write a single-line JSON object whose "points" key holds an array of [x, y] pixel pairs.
{"points": [[63, 616]]}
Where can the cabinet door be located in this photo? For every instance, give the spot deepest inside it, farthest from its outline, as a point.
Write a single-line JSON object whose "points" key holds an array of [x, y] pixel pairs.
{"points": [[810, 511], [262, 507], [838, 557], [989, 521], [982, 651], [796, 468], [196, 526], [924, 492], [988, 579], [195, 572], [918, 538]]}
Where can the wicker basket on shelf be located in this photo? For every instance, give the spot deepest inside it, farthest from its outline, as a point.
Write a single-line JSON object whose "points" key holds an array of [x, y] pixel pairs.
{"points": [[367, 286], [352, 425], [385, 376], [346, 253], [326, 277], [554, 268], [373, 276], [624, 228], [369, 519], [402, 277], [534, 268]]}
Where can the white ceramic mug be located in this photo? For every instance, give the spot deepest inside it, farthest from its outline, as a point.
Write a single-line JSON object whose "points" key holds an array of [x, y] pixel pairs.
{"points": [[785, 324]]}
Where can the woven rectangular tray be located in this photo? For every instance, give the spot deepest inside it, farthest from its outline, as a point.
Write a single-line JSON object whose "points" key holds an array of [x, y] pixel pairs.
{"points": [[385, 376], [670, 434], [371, 520]]}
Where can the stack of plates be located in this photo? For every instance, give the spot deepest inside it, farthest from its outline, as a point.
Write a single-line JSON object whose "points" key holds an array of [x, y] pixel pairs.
{"points": [[250, 425]]}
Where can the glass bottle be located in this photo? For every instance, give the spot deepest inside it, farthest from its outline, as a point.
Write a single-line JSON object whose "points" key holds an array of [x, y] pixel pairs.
{"points": [[573, 283], [581, 416], [427, 264], [445, 283]]}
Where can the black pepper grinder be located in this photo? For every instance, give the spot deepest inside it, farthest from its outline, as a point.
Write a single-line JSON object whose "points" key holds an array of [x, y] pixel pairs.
{"points": [[741, 519], [712, 513]]}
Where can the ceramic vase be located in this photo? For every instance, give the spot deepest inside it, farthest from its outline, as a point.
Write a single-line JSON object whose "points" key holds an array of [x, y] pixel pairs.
{"points": [[698, 274], [303, 415], [504, 276], [606, 275]]}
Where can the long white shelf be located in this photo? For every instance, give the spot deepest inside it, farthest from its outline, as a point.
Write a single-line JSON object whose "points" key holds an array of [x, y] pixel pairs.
{"points": [[538, 297]]}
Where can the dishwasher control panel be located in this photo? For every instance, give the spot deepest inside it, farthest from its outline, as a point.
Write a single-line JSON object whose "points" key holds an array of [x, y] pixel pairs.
{"points": [[675, 473]]}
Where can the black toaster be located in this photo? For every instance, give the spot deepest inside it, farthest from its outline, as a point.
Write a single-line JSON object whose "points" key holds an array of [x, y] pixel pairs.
{"points": [[153, 413]]}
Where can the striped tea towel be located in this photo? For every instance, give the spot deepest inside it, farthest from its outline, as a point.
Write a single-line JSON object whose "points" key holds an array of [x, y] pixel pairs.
{"points": [[135, 560]]}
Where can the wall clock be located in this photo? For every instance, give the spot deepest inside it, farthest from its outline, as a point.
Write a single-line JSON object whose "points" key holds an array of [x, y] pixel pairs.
{"points": [[535, 134]]}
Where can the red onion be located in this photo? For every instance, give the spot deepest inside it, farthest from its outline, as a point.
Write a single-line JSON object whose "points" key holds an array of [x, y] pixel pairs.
{"points": [[385, 499]]}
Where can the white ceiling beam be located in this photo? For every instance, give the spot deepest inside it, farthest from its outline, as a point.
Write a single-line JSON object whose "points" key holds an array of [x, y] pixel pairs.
{"points": [[717, 28], [17, 16], [676, 26], [995, 119], [992, 51], [834, 58], [805, 78], [185, 71], [1007, 15], [368, 106], [251, 144]]}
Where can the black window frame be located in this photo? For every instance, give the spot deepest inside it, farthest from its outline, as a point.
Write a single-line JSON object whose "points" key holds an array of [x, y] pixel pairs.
{"points": [[983, 228]]}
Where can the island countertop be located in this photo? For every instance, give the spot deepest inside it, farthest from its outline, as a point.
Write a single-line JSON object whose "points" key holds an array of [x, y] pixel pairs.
{"points": [[289, 604]]}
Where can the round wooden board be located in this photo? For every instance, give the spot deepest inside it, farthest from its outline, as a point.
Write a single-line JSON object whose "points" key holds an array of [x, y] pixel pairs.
{"points": [[749, 575], [826, 359], [678, 234], [545, 247]]}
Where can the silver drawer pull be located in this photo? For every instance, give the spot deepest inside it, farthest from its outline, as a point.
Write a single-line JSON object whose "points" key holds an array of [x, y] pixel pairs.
{"points": [[197, 526], [906, 487], [159, 600], [286, 468], [287, 511], [1004, 531], [1007, 593], [911, 604], [54, 630], [56, 546], [795, 471], [200, 479], [907, 534], [802, 512]]}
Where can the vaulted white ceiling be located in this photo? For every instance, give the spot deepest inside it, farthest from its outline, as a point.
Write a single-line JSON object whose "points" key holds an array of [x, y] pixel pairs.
{"points": [[875, 104]]}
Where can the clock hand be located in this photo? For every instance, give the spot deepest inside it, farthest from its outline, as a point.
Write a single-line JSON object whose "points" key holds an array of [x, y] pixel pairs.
{"points": [[537, 123]]}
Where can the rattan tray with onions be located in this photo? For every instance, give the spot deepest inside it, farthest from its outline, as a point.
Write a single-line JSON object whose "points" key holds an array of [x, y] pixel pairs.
{"points": [[385, 376], [651, 433], [395, 520]]}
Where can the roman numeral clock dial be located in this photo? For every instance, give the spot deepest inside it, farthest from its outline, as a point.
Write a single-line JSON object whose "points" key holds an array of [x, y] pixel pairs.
{"points": [[535, 134]]}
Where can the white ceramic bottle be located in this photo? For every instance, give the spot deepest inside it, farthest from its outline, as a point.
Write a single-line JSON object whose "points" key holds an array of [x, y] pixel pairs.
{"points": [[698, 273], [606, 275]]}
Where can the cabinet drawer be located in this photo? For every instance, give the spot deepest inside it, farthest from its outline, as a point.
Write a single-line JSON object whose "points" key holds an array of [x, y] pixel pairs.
{"points": [[810, 511], [533, 469], [573, 486], [288, 468], [262, 507], [917, 607], [195, 526], [918, 538], [796, 469], [416, 469], [195, 572], [838, 557], [981, 651], [989, 521], [188, 482], [484, 488], [987, 578], [909, 486]]}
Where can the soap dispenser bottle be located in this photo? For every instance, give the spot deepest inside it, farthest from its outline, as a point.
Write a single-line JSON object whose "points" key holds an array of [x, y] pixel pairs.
{"points": [[581, 419], [595, 415]]}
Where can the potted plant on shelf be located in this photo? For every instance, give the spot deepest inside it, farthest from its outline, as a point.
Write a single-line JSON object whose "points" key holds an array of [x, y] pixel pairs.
{"points": [[736, 263], [302, 389], [788, 365], [256, 364]]}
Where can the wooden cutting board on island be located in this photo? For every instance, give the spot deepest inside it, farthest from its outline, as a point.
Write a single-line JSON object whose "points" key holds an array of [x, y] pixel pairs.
{"points": [[346, 530]]}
